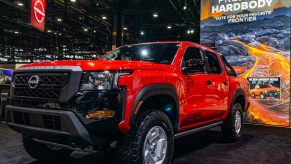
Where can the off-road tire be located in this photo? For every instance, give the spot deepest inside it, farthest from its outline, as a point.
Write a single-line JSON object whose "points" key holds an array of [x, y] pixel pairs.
{"points": [[228, 128], [262, 96], [42, 152], [130, 149]]}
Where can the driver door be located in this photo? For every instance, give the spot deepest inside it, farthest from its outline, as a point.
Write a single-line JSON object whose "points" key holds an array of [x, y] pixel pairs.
{"points": [[198, 94]]}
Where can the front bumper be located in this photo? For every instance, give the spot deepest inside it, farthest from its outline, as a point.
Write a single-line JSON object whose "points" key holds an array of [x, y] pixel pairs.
{"points": [[275, 94], [58, 126], [57, 111]]}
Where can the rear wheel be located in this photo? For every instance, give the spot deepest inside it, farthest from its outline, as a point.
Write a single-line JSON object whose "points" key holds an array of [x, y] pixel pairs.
{"points": [[150, 141], [232, 127], [43, 152]]}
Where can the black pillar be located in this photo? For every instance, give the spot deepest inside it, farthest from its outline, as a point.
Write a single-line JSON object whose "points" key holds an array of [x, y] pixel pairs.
{"points": [[117, 30]]}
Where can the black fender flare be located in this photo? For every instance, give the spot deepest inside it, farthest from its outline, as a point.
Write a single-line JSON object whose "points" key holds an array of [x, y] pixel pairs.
{"points": [[154, 90], [239, 92]]}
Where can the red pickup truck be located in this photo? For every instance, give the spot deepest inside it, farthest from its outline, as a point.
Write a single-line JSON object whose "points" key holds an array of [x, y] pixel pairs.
{"points": [[136, 99]]}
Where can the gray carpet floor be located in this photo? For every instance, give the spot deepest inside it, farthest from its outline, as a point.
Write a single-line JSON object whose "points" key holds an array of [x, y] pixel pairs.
{"points": [[260, 145]]}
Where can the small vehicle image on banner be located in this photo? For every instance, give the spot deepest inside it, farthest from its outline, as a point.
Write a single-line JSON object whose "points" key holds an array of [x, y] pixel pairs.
{"points": [[265, 88]]}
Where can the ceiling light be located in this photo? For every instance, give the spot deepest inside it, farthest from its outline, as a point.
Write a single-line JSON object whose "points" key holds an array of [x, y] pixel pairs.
{"points": [[188, 32], [104, 17], [169, 27], [94, 31], [49, 31], [85, 29], [141, 33], [16, 32], [192, 31], [20, 4], [73, 1], [155, 15], [59, 19], [185, 7], [125, 28]]}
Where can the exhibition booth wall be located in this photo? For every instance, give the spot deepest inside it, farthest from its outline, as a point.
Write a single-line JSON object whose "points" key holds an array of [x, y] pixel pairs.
{"points": [[254, 36]]}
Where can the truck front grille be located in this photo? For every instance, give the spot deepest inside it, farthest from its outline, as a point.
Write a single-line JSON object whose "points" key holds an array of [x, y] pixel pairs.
{"points": [[21, 118], [37, 93], [51, 122], [49, 85], [37, 120]]}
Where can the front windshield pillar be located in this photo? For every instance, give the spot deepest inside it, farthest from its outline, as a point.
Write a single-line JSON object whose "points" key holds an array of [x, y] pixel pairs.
{"points": [[117, 30]]}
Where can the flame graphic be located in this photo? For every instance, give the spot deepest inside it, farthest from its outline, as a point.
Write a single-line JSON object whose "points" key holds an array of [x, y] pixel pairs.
{"points": [[206, 11], [278, 5], [266, 48], [271, 64]]}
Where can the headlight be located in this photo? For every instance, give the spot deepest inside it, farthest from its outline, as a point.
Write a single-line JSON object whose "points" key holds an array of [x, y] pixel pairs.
{"points": [[105, 80]]}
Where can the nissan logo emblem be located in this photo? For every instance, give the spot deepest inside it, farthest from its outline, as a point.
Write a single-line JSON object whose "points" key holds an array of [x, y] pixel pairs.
{"points": [[39, 12], [33, 81]]}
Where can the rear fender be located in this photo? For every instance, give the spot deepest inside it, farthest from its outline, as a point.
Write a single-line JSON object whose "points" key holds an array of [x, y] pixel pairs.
{"points": [[238, 92]]}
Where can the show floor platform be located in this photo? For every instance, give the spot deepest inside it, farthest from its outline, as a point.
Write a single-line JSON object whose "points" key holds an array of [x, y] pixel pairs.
{"points": [[260, 145]]}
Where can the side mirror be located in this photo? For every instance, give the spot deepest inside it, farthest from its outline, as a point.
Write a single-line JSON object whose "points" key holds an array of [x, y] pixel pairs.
{"points": [[194, 65]]}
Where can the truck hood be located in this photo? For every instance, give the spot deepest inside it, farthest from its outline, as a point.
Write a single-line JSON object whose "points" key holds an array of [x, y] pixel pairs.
{"points": [[90, 65]]}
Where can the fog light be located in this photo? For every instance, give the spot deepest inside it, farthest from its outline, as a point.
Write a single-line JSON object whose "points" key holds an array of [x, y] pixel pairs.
{"points": [[101, 114]]}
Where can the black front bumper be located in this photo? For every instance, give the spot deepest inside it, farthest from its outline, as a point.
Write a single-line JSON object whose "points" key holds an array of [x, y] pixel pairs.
{"points": [[56, 111], [58, 126]]}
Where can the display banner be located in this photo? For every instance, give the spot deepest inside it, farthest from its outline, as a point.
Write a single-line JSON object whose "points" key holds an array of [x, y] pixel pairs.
{"points": [[254, 37], [37, 14]]}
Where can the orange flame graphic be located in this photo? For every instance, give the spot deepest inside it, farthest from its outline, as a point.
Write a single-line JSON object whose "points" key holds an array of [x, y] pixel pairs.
{"points": [[278, 5], [206, 11]]}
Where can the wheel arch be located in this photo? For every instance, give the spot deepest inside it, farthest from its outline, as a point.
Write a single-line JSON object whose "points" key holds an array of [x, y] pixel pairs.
{"points": [[240, 97], [157, 96]]}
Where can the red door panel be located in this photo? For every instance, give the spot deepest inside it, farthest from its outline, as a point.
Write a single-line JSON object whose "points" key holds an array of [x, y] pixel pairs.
{"points": [[220, 89], [198, 101]]}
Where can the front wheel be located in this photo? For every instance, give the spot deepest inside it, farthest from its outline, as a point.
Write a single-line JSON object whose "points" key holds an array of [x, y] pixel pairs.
{"points": [[232, 127], [151, 140], [262, 96]]}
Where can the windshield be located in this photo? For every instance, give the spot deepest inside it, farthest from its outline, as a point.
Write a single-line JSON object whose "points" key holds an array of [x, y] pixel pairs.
{"points": [[162, 53]]}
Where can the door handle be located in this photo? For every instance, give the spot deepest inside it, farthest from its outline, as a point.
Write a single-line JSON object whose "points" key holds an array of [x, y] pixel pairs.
{"points": [[209, 82]]}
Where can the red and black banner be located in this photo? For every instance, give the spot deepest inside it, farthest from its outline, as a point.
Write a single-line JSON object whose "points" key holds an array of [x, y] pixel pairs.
{"points": [[37, 14]]}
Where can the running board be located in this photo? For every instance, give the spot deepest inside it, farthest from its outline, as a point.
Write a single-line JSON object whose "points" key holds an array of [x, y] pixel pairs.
{"points": [[195, 130]]}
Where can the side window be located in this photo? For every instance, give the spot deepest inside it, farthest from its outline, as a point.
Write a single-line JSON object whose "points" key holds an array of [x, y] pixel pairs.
{"points": [[228, 68], [192, 55], [213, 61]]}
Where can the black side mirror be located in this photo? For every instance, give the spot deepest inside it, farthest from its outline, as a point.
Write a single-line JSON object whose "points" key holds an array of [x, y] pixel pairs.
{"points": [[194, 65]]}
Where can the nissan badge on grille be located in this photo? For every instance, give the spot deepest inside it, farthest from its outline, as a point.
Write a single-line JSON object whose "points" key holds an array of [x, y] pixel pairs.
{"points": [[33, 81]]}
